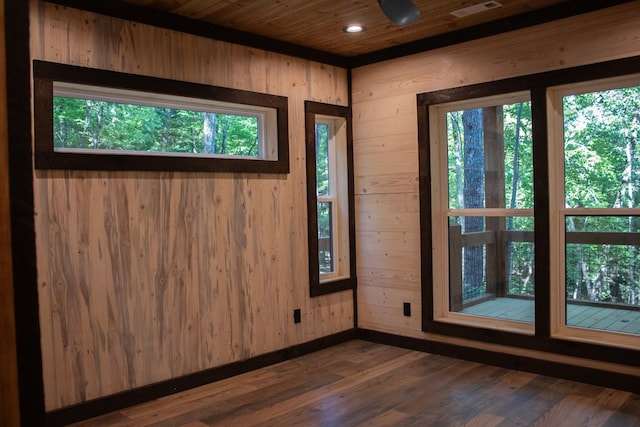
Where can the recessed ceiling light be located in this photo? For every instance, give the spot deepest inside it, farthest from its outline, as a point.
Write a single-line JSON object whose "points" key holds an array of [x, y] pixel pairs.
{"points": [[355, 28]]}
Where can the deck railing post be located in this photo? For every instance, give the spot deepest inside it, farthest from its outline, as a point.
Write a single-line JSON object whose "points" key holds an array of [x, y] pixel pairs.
{"points": [[455, 267]]}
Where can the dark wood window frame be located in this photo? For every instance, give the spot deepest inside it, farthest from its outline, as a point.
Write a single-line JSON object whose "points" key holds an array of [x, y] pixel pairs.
{"points": [[537, 84], [316, 287], [46, 73]]}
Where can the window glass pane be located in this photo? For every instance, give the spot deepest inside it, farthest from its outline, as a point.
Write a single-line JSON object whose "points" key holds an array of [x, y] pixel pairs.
{"points": [[102, 125], [329, 197], [322, 159], [490, 157], [603, 272], [491, 269], [325, 237], [602, 157]]}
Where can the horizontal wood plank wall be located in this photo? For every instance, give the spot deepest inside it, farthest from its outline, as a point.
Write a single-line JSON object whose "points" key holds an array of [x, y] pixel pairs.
{"points": [[148, 276], [386, 150]]}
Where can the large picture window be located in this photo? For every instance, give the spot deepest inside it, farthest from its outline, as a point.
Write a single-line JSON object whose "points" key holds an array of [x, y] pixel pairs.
{"points": [[483, 222], [96, 119], [595, 160], [530, 211], [330, 198]]}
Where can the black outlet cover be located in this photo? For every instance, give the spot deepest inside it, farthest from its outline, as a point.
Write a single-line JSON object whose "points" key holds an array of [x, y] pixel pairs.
{"points": [[407, 309]]}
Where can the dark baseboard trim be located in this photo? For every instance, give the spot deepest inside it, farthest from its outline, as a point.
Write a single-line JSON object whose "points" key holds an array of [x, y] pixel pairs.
{"points": [[139, 395], [591, 376]]}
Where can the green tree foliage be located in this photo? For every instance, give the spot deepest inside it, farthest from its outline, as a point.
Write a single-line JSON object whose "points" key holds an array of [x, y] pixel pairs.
{"points": [[90, 124], [602, 170], [322, 159], [518, 141], [601, 156], [325, 252]]}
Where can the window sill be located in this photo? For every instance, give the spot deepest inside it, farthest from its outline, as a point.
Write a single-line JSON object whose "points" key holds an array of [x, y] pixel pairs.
{"points": [[336, 285]]}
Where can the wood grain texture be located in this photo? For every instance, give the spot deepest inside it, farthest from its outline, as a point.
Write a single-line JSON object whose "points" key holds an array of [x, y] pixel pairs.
{"points": [[361, 383], [386, 142], [9, 403], [319, 24], [147, 276]]}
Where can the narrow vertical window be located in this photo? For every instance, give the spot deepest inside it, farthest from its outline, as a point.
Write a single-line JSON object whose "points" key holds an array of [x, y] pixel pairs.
{"points": [[329, 198], [326, 192]]}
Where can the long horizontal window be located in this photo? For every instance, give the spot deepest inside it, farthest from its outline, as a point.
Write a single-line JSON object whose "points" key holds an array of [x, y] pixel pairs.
{"points": [[84, 119], [94, 119]]}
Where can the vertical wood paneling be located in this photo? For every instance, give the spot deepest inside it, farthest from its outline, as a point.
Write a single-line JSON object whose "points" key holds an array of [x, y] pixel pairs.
{"points": [[386, 143], [147, 276]]}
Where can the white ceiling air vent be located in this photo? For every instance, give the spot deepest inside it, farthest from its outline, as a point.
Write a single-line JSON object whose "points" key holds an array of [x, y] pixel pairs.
{"points": [[476, 8]]}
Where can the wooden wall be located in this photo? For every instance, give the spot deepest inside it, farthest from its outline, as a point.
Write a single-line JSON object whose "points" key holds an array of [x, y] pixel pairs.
{"points": [[148, 276], [386, 149]]}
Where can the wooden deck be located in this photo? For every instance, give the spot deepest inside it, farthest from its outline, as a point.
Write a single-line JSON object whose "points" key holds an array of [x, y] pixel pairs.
{"points": [[360, 383], [602, 318]]}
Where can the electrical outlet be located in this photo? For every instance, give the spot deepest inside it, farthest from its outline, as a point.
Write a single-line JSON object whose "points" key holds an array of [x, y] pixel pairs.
{"points": [[407, 309], [297, 317]]}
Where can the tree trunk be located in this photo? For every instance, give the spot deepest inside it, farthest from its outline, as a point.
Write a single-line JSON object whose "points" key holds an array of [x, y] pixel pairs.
{"points": [[625, 198], [99, 125], [225, 128], [87, 123], [514, 188], [585, 288], [632, 142], [166, 125], [457, 148], [516, 164], [62, 133], [473, 191], [210, 131]]}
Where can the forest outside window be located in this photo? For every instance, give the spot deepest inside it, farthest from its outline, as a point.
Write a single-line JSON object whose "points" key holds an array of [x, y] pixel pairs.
{"points": [[595, 208], [329, 198], [530, 211], [94, 119], [328, 203], [483, 222]]}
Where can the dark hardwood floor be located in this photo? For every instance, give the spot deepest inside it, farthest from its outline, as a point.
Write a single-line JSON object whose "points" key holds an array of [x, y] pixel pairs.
{"points": [[362, 383]]}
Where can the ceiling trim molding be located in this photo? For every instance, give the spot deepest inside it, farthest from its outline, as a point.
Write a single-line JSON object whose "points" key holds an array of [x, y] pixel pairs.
{"points": [[504, 25], [140, 14], [170, 21]]}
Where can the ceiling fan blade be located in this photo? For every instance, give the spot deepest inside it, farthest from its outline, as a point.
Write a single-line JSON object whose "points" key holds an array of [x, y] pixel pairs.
{"points": [[400, 12]]}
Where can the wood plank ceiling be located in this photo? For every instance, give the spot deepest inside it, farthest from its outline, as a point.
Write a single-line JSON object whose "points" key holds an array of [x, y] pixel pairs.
{"points": [[319, 24]]}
